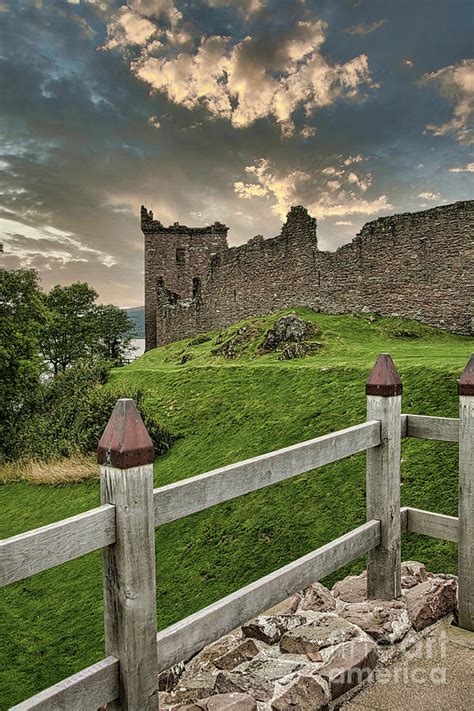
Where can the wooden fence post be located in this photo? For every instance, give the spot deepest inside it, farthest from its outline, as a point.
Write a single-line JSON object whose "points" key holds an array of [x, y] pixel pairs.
{"points": [[126, 456], [384, 390], [466, 498]]}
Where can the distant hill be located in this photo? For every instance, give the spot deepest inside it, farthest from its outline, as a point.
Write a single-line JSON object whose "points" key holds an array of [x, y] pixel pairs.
{"points": [[137, 314]]}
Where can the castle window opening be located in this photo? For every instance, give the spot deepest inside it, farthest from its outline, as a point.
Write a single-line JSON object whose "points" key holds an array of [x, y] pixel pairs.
{"points": [[180, 255]]}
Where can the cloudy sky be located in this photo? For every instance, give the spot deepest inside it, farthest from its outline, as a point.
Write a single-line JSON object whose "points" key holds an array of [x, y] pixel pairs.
{"points": [[224, 110]]}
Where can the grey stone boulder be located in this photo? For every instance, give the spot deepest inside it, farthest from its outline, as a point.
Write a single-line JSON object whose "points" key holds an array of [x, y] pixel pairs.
{"points": [[318, 599], [197, 680], [204, 660], [295, 350], [285, 607], [429, 601], [169, 678], [228, 682], [245, 651], [256, 678], [322, 631], [269, 628], [287, 328], [305, 693], [350, 664], [192, 687], [413, 573], [352, 589], [231, 702], [386, 621]]}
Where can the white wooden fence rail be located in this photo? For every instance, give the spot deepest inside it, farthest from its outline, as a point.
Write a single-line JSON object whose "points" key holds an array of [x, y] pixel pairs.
{"points": [[43, 548], [122, 524], [445, 429], [88, 689], [186, 497], [433, 524]]}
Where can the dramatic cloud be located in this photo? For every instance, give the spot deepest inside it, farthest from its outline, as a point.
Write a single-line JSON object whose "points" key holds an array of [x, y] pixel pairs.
{"points": [[469, 168], [362, 30], [110, 104], [49, 245], [246, 7], [128, 27], [456, 83], [283, 189], [324, 198], [237, 82], [191, 79], [157, 9], [429, 196]]}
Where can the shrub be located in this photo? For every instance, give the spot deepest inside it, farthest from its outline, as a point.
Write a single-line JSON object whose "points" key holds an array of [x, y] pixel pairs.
{"points": [[71, 412]]}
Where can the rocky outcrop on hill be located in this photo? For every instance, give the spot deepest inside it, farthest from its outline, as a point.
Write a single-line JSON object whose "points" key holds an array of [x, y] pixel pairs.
{"points": [[288, 328], [288, 336], [310, 649]]}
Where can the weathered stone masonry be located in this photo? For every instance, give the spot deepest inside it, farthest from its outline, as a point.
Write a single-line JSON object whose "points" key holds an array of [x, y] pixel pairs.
{"points": [[419, 265]]}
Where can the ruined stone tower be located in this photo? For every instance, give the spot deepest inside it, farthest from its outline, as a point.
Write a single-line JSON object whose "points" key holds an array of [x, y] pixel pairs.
{"points": [[417, 265], [176, 263]]}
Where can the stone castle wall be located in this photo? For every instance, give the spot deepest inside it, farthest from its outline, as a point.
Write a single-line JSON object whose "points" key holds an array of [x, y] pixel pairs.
{"points": [[419, 265]]}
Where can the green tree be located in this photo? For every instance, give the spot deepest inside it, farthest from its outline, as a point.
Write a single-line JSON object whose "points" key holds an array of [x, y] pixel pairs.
{"points": [[114, 332], [22, 316], [77, 328], [70, 330]]}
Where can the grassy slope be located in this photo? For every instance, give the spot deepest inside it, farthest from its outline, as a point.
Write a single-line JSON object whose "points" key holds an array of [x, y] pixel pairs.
{"points": [[226, 411]]}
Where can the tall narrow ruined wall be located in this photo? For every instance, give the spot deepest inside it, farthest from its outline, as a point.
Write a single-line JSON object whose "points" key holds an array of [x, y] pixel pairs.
{"points": [[418, 265]]}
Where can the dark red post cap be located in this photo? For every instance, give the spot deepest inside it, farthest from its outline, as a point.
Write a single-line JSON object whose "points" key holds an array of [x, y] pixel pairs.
{"points": [[384, 379], [125, 442], [466, 381]]}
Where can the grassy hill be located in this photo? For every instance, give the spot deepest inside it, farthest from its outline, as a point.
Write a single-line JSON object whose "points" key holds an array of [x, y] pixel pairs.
{"points": [[223, 410]]}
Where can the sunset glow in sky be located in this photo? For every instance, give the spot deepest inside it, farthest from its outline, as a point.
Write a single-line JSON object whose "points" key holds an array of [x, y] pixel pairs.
{"points": [[217, 110]]}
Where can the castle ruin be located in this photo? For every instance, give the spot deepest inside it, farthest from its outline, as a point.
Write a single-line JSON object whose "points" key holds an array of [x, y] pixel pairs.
{"points": [[416, 265]]}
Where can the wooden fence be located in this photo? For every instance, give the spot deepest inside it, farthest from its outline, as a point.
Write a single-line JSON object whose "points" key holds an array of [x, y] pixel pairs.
{"points": [[124, 525]]}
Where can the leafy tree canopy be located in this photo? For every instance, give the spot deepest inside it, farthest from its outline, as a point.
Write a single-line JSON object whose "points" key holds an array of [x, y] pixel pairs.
{"points": [[43, 335], [114, 330], [22, 317], [78, 328]]}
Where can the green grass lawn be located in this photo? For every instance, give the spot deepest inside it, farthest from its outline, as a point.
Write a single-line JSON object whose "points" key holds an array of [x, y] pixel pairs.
{"points": [[224, 411]]}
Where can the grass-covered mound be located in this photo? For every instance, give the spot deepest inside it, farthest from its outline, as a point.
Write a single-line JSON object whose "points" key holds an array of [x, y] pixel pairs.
{"points": [[224, 409]]}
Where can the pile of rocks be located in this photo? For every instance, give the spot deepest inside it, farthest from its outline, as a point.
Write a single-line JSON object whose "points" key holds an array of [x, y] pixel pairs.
{"points": [[308, 650], [287, 335]]}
